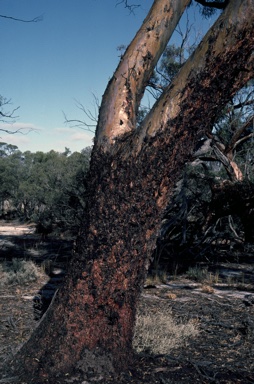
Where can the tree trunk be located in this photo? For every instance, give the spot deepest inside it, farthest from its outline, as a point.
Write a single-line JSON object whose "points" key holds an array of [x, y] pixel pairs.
{"points": [[90, 322]]}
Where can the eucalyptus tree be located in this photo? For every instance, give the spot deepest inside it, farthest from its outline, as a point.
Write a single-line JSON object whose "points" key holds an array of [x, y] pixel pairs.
{"points": [[132, 172]]}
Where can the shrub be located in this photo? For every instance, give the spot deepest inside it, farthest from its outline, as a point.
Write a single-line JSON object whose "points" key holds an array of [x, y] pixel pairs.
{"points": [[18, 271], [157, 332], [197, 274]]}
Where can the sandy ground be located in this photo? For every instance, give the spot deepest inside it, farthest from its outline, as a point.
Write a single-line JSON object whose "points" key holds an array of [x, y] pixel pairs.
{"points": [[222, 353], [8, 229]]}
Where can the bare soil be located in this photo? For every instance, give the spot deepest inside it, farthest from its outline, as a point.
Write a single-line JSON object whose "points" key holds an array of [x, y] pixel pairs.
{"points": [[223, 351]]}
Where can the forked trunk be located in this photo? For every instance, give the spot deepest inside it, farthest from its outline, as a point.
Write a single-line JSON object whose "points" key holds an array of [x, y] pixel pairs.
{"points": [[90, 323]]}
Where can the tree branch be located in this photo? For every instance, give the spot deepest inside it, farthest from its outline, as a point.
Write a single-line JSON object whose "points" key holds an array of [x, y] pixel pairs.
{"points": [[130, 7], [236, 140], [8, 118], [34, 20], [245, 138], [6, 115], [19, 130], [90, 115], [243, 104], [9, 115]]}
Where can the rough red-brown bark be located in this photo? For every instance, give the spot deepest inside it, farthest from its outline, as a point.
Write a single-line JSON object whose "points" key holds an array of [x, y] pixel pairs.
{"points": [[90, 323]]}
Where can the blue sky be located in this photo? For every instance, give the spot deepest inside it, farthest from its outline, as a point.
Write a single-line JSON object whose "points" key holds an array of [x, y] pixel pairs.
{"points": [[70, 55]]}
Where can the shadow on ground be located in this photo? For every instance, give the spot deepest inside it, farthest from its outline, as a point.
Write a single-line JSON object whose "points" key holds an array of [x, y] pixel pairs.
{"points": [[49, 253], [222, 353]]}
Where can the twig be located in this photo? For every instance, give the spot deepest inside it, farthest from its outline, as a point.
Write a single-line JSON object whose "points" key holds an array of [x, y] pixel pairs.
{"points": [[218, 324], [203, 374], [34, 20], [131, 7], [11, 322]]}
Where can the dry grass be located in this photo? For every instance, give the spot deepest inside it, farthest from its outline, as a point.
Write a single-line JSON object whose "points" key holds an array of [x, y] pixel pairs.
{"points": [[157, 331], [18, 271], [158, 277], [201, 275], [198, 274], [207, 289], [208, 279]]}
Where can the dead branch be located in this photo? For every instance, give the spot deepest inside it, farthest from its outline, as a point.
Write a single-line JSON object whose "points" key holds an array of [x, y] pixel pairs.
{"points": [[203, 374], [23, 131], [92, 116], [6, 115], [130, 7], [34, 20], [231, 226]]}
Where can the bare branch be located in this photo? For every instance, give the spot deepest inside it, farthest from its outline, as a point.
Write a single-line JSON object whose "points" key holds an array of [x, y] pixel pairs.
{"points": [[245, 138], [9, 115], [8, 118], [130, 7], [79, 124], [230, 166], [236, 140], [34, 20], [184, 39], [243, 104], [6, 115], [92, 116], [23, 131]]}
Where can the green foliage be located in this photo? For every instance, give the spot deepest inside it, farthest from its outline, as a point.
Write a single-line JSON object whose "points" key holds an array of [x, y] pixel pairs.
{"points": [[210, 7], [46, 188], [9, 175], [172, 60], [7, 149]]}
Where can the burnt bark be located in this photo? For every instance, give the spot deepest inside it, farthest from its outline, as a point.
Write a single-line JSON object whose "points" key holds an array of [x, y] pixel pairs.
{"points": [[89, 326]]}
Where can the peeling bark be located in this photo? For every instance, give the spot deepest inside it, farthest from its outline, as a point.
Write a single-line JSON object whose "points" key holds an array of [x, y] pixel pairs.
{"points": [[131, 177]]}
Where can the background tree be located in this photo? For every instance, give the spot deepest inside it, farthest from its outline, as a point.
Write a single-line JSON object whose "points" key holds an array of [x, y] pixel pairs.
{"points": [[9, 165], [211, 208], [224, 154], [45, 188], [132, 173]]}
